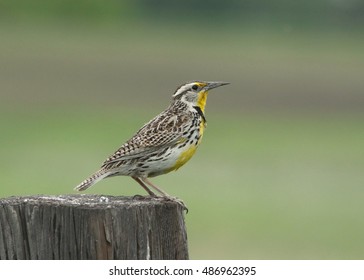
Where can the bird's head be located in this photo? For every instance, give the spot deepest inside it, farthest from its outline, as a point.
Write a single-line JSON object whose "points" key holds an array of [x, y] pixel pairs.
{"points": [[195, 93]]}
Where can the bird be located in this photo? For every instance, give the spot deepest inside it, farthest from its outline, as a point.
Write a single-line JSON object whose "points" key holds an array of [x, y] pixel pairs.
{"points": [[163, 144]]}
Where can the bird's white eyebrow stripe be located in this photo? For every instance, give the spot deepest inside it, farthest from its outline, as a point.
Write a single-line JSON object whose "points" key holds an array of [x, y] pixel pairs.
{"points": [[183, 89]]}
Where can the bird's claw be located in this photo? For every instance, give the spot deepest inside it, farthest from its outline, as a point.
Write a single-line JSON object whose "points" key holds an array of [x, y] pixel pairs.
{"points": [[177, 200], [165, 198]]}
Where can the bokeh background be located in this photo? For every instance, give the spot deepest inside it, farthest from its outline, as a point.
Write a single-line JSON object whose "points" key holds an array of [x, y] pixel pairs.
{"points": [[280, 172]]}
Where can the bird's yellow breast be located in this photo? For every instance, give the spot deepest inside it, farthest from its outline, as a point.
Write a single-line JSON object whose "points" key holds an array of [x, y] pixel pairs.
{"points": [[184, 157]]}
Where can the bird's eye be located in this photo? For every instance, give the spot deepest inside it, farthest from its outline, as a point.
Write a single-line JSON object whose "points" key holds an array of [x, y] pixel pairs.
{"points": [[194, 87]]}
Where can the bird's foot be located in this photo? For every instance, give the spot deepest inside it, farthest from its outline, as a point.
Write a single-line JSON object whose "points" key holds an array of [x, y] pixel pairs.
{"points": [[165, 198], [143, 197], [176, 199], [139, 197]]}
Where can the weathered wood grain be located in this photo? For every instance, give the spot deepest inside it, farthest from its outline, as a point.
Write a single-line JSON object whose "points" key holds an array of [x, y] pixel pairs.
{"points": [[91, 227]]}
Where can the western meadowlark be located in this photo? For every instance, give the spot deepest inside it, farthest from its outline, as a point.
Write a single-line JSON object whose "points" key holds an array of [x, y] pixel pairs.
{"points": [[163, 144]]}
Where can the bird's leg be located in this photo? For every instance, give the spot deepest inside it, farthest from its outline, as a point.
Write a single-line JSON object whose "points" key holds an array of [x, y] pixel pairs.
{"points": [[152, 194], [150, 184], [164, 194]]}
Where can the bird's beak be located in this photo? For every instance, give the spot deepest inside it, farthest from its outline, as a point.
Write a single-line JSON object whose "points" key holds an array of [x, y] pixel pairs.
{"points": [[211, 85]]}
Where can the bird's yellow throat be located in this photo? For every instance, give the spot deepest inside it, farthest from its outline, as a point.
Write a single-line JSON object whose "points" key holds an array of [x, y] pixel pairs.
{"points": [[201, 101]]}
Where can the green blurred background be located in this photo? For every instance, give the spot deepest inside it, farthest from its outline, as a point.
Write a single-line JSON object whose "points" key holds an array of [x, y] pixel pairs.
{"points": [[280, 172]]}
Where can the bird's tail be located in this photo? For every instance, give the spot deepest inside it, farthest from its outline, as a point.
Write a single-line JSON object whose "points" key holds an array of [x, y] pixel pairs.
{"points": [[93, 179]]}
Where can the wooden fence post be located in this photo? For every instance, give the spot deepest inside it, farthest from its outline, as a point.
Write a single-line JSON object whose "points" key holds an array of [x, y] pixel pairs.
{"points": [[91, 227]]}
